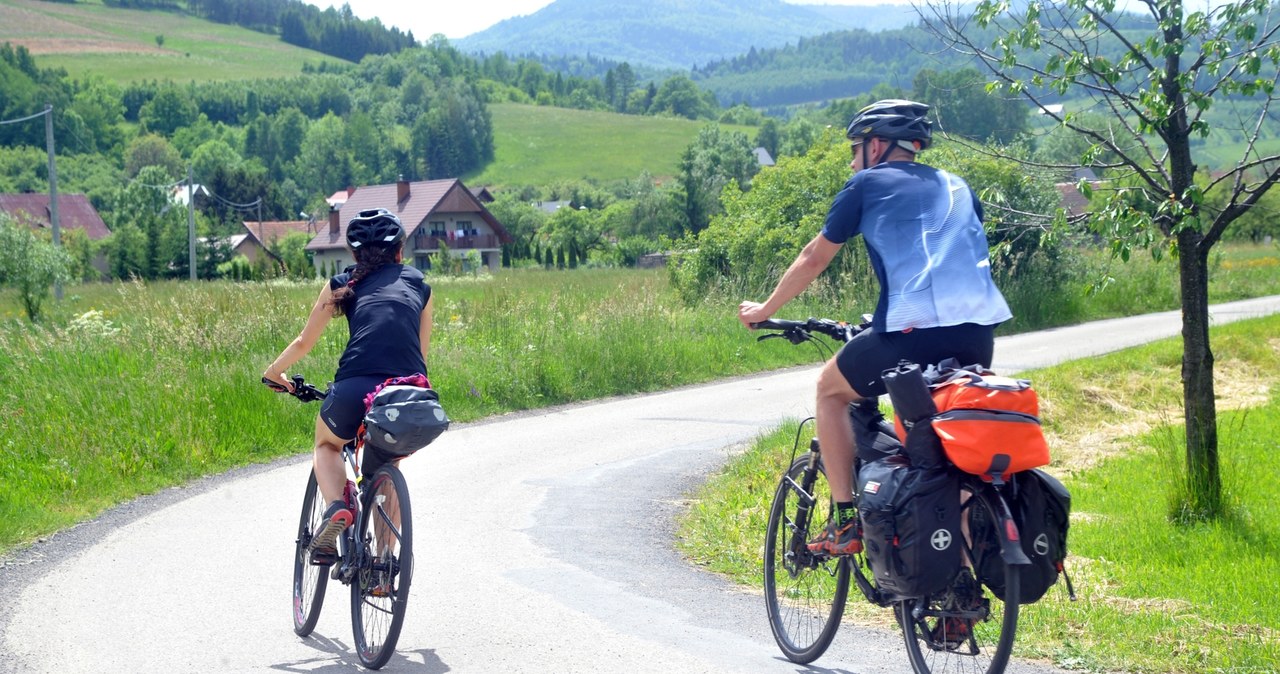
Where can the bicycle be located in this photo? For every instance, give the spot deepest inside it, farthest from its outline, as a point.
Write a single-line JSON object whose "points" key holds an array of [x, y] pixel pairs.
{"points": [[375, 553], [805, 592]]}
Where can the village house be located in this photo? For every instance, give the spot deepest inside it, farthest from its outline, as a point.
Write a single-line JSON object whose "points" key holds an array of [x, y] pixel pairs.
{"points": [[258, 238], [74, 213], [437, 215]]}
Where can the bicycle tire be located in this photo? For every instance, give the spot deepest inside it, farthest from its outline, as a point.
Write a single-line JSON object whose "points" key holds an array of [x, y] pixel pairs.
{"points": [[380, 588], [309, 581], [805, 594], [926, 623]]}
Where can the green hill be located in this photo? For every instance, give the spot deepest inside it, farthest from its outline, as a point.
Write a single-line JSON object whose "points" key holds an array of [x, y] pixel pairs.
{"points": [[535, 145], [126, 45]]}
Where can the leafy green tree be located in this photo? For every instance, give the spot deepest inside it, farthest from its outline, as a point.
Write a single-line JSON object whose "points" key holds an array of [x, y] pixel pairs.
{"points": [[714, 159], [680, 97], [210, 157], [149, 232], [761, 231], [101, 113], [153, 150], [962, 106], [170, 110], [30, 265], [325, 163], [1161, 77]]}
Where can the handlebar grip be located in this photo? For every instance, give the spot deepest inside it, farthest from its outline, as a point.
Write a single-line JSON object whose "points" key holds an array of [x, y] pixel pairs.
{"points": [[275, 385]]}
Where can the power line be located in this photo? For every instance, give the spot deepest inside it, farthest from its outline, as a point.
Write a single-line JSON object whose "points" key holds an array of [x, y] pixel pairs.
{"points": [[27, 118]]}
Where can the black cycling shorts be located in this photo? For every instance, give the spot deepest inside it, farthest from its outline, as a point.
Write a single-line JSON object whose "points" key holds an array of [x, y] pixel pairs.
{"points": [[343, 409], [862, 360]]}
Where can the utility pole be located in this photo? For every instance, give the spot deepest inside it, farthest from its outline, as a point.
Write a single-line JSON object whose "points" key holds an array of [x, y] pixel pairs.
{"points": [[53, 189], [191, 221]]}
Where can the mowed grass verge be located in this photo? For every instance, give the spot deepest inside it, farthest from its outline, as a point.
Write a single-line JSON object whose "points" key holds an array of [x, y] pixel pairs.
{"points": [[1154, 596]]}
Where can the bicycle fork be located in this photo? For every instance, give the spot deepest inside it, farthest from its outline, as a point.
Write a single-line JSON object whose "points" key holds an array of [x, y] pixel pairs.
{"points": [[798, 554]]}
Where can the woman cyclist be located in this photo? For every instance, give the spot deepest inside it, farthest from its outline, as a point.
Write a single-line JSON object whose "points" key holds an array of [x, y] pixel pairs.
{"points": [[923, 231], [388, 309]]}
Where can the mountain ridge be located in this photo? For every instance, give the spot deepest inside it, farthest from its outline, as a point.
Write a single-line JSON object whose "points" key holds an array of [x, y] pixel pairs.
{"points": [[672, 34]]}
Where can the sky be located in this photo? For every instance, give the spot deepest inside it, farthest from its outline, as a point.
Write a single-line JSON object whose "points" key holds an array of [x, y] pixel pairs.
{"points": [[460, 19]]}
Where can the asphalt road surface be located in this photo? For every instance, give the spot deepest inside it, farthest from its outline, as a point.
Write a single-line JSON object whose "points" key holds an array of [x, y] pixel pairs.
{"points": [[543, 543]]}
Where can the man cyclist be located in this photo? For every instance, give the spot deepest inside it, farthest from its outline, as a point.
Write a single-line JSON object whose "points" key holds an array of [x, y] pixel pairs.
{"points": [[922, 228]]}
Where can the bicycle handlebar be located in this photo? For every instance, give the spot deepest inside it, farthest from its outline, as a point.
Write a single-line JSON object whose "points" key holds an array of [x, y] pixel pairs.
{"points": [[301, 389], [797, 332]]}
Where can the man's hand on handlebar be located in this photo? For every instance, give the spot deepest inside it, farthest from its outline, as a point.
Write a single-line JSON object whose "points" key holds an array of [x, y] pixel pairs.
{"points": [[751, 313]]}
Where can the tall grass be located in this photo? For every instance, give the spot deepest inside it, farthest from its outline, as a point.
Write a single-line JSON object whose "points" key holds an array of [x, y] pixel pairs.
{"points": [[160, 384]]}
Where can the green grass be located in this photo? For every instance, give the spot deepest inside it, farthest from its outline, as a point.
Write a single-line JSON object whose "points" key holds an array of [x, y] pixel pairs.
{"points": [[545, 145], [1154, 596], [162, 385], [120, 44]]}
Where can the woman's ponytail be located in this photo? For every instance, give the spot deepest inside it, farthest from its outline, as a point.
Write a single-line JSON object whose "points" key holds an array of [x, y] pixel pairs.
{"points": [[368, 260]]}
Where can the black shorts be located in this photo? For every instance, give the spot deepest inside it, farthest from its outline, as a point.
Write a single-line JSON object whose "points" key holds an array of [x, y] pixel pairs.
{"points": [[344, 409], [862, 360]]}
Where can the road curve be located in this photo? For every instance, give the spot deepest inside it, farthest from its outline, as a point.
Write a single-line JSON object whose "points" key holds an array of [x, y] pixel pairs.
{"points": [[543, 544]]}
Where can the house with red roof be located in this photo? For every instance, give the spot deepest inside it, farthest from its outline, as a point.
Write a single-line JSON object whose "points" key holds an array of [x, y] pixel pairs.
{"points": [[74, 213], [258, 238], [438, 215]]}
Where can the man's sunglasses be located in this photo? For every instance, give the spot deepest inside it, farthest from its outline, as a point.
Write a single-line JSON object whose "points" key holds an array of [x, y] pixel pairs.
{"points": [[853, 148]]}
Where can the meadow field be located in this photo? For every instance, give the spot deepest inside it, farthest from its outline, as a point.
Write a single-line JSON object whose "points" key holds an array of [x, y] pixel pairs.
{"points": [[561, 144], [121, 45]]}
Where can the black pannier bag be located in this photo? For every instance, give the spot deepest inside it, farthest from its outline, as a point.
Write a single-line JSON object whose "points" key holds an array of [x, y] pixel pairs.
{"points": [[403, 419], [1041, 508], [910, 526]]}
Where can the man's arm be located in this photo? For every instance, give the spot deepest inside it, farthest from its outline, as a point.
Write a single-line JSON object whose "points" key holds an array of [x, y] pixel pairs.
{"points": [[811, 261]]}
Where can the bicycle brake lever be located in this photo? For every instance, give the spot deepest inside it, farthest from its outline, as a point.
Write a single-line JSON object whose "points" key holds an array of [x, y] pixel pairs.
{"points": [[771, 335]]}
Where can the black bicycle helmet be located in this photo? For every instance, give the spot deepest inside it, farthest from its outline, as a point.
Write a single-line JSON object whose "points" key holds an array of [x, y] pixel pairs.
{"points": [[375, 226], [893, 119]]}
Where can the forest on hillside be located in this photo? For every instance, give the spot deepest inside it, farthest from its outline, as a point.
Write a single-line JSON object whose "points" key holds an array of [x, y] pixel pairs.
{"points": [[272, 149]]}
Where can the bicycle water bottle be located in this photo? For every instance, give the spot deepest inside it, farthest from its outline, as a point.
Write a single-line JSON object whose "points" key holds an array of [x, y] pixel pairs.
{"points": [[911, 398], [913, 405]]}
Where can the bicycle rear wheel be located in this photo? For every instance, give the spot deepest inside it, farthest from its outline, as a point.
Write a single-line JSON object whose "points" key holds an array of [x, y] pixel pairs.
{"points": [[804, 593], [380, 590], [309, 582], [966, 628]]}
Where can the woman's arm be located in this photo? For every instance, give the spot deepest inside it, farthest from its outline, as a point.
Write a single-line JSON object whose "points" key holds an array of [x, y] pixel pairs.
{"points": [[301, 345]]}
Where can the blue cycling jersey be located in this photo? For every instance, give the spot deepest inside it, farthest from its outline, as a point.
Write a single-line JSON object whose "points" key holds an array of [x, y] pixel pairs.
{"points": [[923, 230]]}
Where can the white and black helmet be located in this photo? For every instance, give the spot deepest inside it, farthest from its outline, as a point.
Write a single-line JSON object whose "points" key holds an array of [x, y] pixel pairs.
{"points": [[375, 227]]}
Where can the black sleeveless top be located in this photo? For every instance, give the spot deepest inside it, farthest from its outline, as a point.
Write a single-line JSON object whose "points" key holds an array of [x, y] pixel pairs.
{"points": [[383, 323]]}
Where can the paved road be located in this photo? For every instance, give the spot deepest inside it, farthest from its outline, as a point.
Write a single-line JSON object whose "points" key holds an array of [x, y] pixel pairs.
{"points": [[543, 541]]}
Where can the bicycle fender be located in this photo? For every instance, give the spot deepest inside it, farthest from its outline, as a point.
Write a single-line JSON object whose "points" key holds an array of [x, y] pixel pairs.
{"points": [[1010, 548]]}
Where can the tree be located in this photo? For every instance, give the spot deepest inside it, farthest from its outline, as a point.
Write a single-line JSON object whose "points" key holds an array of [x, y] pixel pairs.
{"points": [[170, 110], [712, 161], [1159, 75], [963, 107], [30, 265], [152, 150]]}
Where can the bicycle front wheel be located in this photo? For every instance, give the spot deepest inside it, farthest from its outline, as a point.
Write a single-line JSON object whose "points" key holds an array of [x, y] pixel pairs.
{"points": [[380, 589], [309, 581], [967, 628], [805, 593]]}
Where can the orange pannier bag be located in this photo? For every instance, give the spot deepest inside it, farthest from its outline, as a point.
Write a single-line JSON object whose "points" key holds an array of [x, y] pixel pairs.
{"points": [[989, 425]]}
